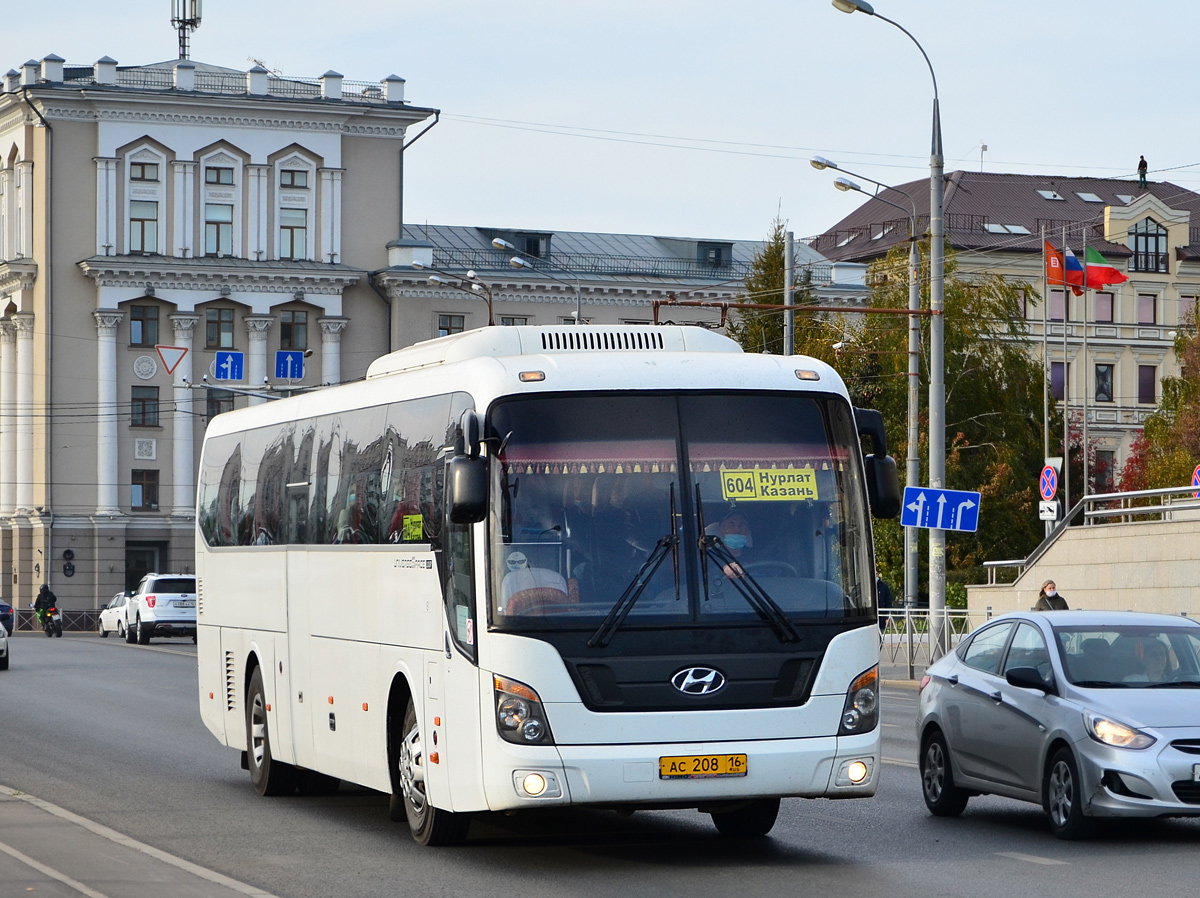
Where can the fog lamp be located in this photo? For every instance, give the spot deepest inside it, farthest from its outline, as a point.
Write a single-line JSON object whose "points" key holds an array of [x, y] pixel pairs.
{"points": [[534, 784], [857, 772]]}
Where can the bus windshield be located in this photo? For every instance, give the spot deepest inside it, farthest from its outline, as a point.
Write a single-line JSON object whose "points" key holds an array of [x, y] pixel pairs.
{"points": [[712, 508]]}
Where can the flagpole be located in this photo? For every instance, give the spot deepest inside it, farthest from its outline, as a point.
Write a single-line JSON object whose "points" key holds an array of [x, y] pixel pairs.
{"points": [[1066, 387], [1086, 373], [1045, 362]]}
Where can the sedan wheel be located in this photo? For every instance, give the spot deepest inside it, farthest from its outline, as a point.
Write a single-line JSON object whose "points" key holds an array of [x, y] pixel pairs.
{"points": [[942, 797], [1063, 799]]}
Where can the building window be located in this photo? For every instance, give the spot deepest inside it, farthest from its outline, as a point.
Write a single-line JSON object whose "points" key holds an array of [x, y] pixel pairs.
{"points": [[218, 229], [218, 329], [143, 226], [143, 407], [450, 324], [293, 330], [293, 234], [218, 175], [143, 171], [1058, 380], [1147, 384], [143, 325], [1146, 308], [1148, 240], [144, 486], [513, 320], [1057, 300], [1187, 310], [1104, 476], [293, 179], [219, 401], [1104, 383], [1023, 303], [1104, 308], [714, 255]]}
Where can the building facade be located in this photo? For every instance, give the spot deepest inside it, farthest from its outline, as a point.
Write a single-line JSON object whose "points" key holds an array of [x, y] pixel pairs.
{"points": [[1105, 352], [162, 226]]}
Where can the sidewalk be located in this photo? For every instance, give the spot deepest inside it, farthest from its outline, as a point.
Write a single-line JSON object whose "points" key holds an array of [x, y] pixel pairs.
{"points": [[47, 850]]}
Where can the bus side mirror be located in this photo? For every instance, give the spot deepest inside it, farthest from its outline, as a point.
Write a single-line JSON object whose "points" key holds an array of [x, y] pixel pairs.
{"points": [[466, 489], [883, 486]]}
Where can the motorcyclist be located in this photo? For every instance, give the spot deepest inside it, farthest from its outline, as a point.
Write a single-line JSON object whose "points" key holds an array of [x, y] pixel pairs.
{"points": [[44, 602]]}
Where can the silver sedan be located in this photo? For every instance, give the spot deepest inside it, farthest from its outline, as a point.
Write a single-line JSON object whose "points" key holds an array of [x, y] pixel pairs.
{"points": [[1088, 713]]}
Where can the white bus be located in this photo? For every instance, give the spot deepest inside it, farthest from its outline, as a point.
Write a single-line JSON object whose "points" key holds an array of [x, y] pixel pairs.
{"points": [[525, 567]]}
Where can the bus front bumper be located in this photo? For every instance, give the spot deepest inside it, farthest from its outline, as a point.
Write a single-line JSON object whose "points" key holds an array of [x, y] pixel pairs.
{"points": [[629, 775]]}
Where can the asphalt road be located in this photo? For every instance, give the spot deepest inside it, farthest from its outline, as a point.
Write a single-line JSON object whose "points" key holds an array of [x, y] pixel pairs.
{"points": [[111, 732]]}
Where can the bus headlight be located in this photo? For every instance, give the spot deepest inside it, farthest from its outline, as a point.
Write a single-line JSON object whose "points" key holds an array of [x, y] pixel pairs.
{"points": [[860, 714], [520, 717]]}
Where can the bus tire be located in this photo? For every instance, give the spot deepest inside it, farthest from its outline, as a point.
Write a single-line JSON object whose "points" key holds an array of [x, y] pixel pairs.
{"points": [[429, 825], [269, 777], [751, 820]]}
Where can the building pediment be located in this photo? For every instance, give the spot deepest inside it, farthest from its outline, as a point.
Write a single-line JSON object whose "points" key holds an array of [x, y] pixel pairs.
{"points": [[153, 272], [1119, 219]]}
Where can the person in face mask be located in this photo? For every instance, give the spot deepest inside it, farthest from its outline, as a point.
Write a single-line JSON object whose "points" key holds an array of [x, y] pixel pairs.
{"points": [[734, 531], [1049, 599]]}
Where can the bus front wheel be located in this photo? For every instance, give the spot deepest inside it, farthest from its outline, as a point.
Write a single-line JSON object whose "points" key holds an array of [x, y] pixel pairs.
{"points": [[752, 820], [429, 825]]}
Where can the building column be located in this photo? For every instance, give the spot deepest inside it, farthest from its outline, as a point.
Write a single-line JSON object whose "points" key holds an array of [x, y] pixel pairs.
{"points": [[183, 447], [184, 195], [23, 325], [331, 348], [8, 402], [108, 475], [106, 206], [256, 359]]}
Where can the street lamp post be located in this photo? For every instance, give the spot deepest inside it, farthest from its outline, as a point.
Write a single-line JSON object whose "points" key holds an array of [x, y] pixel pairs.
{"points": [[937, 373], [525, 260], [913, 465], [457, 281]]}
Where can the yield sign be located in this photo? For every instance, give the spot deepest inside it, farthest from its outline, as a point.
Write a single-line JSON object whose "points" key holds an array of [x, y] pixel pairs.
{"points": [[1048, 484], [171, 356]]}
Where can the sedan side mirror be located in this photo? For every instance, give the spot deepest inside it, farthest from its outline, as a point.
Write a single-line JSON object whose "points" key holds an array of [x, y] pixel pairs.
{"points": [[1028, 678]]}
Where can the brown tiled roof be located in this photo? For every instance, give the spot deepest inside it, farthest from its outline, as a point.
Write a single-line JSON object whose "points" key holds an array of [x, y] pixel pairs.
{"points": [[975, 200]]}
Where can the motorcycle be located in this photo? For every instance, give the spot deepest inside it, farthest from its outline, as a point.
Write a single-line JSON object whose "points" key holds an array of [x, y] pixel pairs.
{"points": [[51, 619]]}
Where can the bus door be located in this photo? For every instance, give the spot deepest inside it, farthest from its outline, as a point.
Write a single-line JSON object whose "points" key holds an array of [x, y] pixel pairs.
{"points": [[295, 681]]}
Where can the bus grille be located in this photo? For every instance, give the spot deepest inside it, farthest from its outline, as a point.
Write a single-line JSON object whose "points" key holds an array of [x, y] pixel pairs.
{"points": [[594, 339], [230, 682]]}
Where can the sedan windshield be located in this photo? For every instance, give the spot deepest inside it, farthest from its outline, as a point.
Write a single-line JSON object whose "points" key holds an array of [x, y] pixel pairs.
{"points": [[1131, 657], [614, 511]]}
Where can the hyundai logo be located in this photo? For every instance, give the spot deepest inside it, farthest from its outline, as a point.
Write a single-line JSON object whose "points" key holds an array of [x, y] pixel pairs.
{"points": [[698, 681]]}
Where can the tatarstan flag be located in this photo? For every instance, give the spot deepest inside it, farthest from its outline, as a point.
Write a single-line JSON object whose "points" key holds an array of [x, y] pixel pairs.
{"points": [[1100, 273]]}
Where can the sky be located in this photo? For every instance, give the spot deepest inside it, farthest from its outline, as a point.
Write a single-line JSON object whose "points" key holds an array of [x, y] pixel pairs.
{"points": [[697, 118]]}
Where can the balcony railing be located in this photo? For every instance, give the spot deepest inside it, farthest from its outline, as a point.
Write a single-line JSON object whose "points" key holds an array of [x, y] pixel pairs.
{"points": [[594, 264]]}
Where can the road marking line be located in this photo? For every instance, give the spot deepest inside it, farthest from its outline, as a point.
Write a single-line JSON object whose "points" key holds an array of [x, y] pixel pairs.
{"points": [[900, 762], [51, 872], [121, 839], [1032, 858]]}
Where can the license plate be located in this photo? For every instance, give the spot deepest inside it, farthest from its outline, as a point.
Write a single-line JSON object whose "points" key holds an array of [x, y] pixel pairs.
{"points": [[185, 603], [691, 767]]}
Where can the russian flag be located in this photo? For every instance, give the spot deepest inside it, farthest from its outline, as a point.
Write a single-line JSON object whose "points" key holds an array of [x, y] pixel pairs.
{"points": [[1074, 271]]}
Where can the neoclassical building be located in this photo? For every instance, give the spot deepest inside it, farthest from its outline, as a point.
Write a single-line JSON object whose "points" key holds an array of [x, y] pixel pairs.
{"points": [[162, 226]]}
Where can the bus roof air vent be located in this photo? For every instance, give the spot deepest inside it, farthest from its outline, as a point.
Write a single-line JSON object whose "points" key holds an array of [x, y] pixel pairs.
{"points": [[601, 339]]}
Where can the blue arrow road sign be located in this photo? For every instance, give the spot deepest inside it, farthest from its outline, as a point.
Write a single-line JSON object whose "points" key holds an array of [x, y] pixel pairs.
{"points": [[289, 364], [230, 366], [940, 509]]}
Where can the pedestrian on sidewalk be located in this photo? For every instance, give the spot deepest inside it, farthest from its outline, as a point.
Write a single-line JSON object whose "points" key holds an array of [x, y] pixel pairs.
{"points": [[883, 594], [1049, 599]]}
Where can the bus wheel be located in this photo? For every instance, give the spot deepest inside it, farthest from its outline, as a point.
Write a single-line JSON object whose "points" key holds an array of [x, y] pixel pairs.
{"points": [[429, 825], [270, 777], [752, 820]]}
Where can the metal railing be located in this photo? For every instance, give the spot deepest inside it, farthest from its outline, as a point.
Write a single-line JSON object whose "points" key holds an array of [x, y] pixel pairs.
{"points": [[910, 636], [595, 264], [72, 621]]}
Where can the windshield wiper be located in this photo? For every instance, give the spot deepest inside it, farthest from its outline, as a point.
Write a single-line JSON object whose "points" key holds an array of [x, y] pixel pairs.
{"points": [[621, 608], [1099, 684], [1180, 684], [748, 588]]}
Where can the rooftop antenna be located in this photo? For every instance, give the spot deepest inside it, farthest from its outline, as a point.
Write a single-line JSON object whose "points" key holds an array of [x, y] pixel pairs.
{"points": [[185, 16], [982, 150]]}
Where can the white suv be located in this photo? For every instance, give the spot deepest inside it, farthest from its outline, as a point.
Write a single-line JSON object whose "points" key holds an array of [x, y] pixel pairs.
{"points": [[162, 605]]}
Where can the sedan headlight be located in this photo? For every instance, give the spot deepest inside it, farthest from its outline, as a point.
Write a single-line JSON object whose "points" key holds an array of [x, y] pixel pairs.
{"points": [[520, 717], [1118, 735]]}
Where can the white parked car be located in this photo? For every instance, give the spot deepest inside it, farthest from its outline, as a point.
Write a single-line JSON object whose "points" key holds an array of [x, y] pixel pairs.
{"points": [[112, 617], [162, 605], [4, 648]]}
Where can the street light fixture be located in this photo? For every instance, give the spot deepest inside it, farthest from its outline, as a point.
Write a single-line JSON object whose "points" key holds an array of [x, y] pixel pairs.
{"points": [[525, 260], [937, 372], [913, 463], [456, 282]]}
